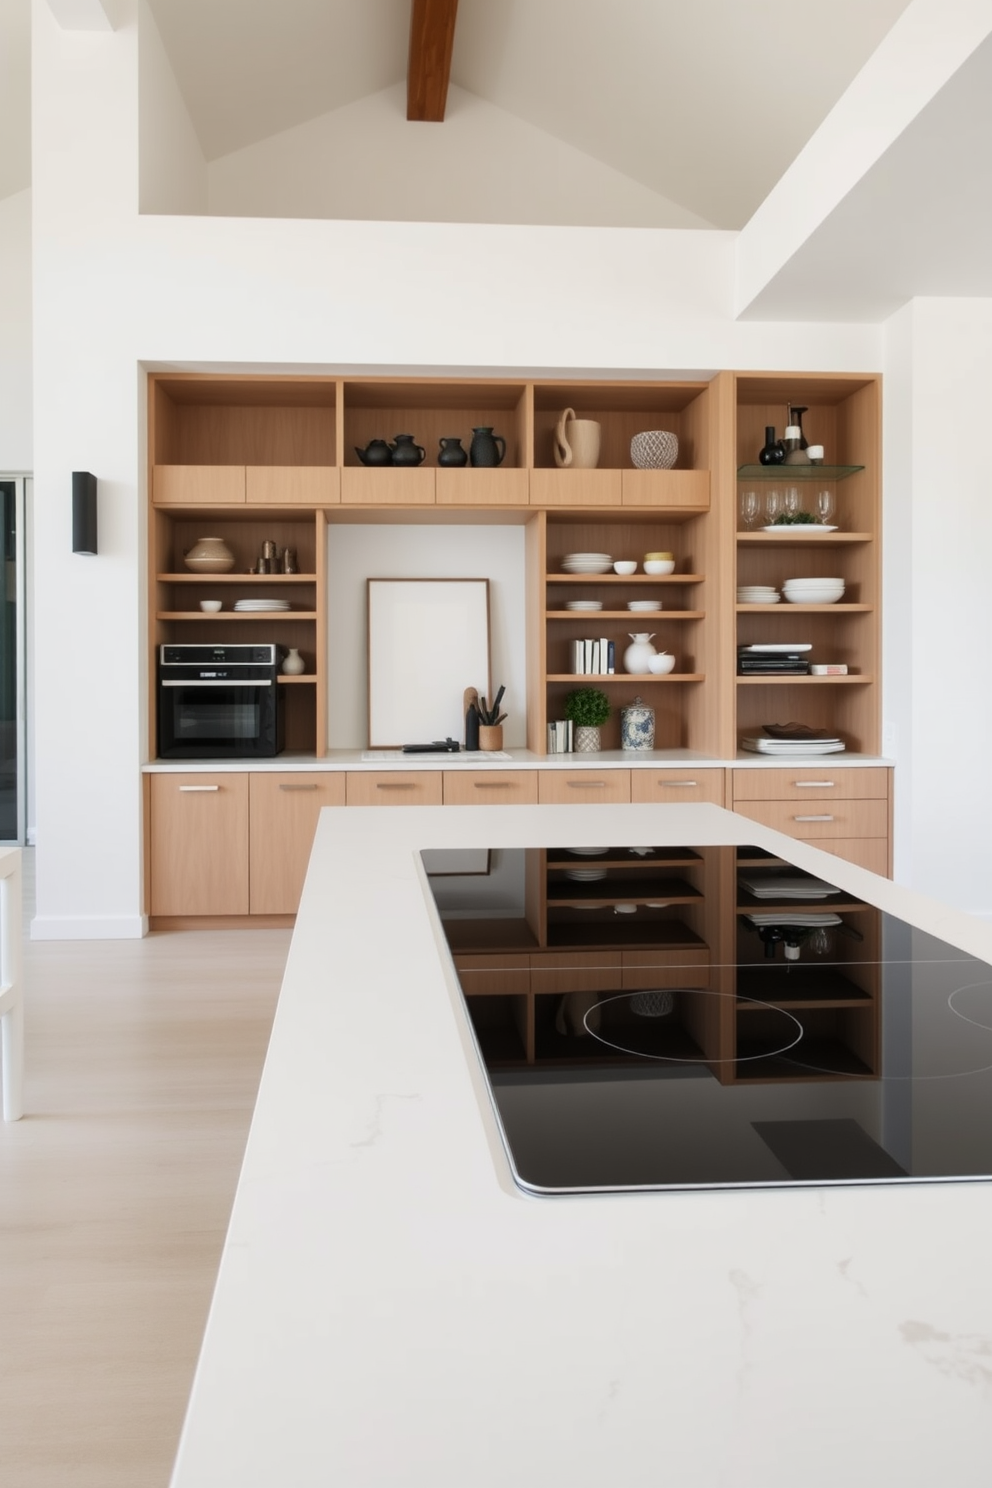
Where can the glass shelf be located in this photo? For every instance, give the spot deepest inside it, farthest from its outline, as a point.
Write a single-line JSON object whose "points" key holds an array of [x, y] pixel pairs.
{"points": [[797, 472]]}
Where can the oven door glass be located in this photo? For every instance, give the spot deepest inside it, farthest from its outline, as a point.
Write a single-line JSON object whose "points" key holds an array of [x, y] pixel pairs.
{"points": [[219, 720]]}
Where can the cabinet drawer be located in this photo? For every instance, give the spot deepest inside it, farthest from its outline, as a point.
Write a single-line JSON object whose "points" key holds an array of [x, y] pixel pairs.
{"points": [[677, 785], [820, 780], [395, 788], [293, 485], [867, 852], [645, 969], [493, 976], [198, 857], [283, 818], [198, 485], [575, 488], [575, 971], [815, 818], [365, 486], [685, 489], [482, 487], [582, 787], [490, 787]]}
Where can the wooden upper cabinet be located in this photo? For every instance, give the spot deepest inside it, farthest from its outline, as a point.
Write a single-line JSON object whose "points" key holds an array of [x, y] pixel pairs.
{"points": [[363, 486], [574, 488], [685, 490], [198, 485], [293, 485]]}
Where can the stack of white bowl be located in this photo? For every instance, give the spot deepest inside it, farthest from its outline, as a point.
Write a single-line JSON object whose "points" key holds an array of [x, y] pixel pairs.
{"points": [[587, 563], [813, 591], [757, 594]]}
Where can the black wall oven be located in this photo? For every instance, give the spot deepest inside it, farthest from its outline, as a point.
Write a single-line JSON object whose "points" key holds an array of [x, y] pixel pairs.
{"points": [[219, 702]]}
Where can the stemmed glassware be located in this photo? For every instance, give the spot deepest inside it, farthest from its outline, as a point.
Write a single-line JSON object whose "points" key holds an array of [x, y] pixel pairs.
{"points": [[826, 506], [750, 509], [773, 505], [791, 502]]}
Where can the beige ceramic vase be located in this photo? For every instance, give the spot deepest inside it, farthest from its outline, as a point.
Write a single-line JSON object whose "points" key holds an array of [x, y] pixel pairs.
{"points": [[576, 442], [210, 555]]}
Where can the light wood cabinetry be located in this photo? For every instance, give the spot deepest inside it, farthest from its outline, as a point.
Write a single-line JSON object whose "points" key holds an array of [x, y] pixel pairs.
{"points": [[198, 832], [490, 787], [678, 786], [846, 811], [283, 813], [583, 787], [394, 788]]}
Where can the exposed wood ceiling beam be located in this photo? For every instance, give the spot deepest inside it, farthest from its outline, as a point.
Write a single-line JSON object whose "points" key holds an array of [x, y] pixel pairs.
{"points": [[432, 35]]}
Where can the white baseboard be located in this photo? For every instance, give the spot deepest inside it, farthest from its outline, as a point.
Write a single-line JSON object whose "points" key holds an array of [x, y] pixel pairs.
{"points": [[89, 927]]}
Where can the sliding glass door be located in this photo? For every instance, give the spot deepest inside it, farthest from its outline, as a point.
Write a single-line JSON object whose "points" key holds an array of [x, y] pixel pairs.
{"points": [[12, 679]]}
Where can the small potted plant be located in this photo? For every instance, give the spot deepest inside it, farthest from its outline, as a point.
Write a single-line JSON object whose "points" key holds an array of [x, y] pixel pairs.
{"points": [[588, 709]]}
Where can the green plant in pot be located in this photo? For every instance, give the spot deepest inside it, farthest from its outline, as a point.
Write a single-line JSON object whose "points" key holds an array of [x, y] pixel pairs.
{"points": [[588, 709]]}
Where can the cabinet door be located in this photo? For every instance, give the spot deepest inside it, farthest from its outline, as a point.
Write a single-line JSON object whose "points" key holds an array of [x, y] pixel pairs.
{"points": [[293, 485], [575, 488], [394, 788], [198, 485], [583, 787], [687, 490], [825, 817], [283, 819], [366, 486], [677, 785], [198, 832], [477, 487]]}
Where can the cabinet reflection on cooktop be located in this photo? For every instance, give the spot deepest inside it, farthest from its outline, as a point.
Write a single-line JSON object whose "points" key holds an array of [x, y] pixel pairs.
{"points": [[653, 1018]]}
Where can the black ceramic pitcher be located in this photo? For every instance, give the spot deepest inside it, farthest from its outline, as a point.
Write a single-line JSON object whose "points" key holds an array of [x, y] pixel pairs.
{"points": [[486, 448]]}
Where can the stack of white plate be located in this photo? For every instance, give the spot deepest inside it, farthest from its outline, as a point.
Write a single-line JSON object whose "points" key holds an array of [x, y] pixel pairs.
{"points": [[813, 591], [584, 604], [587, 563], [757, 594], [636, 605], [252, 605], [585, 875]]}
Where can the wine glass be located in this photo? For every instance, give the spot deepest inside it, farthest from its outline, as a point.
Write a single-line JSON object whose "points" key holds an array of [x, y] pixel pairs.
{"points": [[826, 506], [791, 502], [773, 505], [750, 507]]}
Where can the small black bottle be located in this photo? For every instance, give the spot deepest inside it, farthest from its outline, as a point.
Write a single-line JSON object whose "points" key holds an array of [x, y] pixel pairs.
{"points": [[471, 729], [773, 452]]}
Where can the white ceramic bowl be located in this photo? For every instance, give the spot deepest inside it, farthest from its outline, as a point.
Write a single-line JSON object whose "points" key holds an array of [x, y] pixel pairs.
{"points": [[814, 597], [654, 449], [625, 566], [588, 558], [659, 565], [661, 663], [647, 605], [211, 606], [587, 566]]}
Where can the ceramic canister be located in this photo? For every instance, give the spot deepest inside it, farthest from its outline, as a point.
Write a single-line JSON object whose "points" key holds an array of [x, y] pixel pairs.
{"points": [[637, 726]]}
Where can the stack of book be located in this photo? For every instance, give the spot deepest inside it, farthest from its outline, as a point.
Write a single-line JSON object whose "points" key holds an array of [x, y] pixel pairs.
{"points": [[780, 659], [593, 658], [560, 736]]}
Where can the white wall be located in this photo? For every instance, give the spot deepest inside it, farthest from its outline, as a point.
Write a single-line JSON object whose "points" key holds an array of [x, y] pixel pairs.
{"points": [[15, 333], [173, 172], [367, 161], [115, 291]]}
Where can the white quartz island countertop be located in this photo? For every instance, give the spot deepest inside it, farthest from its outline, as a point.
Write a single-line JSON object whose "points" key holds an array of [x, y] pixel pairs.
{"points": [[392, 1310]]}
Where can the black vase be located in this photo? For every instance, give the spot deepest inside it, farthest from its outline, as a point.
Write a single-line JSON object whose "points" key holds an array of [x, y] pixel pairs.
{"points": [[796, 417], [451, 453], [486, 448], [773, 451], [405, 452]]}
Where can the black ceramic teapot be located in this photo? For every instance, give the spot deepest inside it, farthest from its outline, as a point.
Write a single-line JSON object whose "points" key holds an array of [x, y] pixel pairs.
{"points": [[376, 452]]}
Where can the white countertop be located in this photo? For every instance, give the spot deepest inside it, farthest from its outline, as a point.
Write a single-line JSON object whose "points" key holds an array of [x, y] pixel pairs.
{"points": [[392, 1310], [518, 759]]}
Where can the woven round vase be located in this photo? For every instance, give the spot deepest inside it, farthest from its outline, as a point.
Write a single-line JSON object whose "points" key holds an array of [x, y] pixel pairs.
{"points": [[587, 739], [654, 449]]}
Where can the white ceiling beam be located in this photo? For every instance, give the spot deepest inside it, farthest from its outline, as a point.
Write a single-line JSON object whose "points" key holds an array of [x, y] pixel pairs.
{"points": [[81, 15]]}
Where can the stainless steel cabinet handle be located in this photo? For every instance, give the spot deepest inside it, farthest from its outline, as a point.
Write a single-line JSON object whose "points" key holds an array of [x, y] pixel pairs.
{"points": [[814, 784], [395, 785], [586, 784], [672, 784], [491, 784], [813, 818], [199, 787], [285, 786]]}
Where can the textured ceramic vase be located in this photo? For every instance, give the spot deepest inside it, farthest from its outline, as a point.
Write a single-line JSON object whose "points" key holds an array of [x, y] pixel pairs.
{"points": [[293, 664], [654, 449], [210, 555], [587, 740], [487, 448], [451, 453], [637, 726], [637, 657], [576, 442]]}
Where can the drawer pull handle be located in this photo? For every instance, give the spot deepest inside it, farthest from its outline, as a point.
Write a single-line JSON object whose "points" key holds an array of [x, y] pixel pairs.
{"points": [[814, 784], [395, 785], [491, 784], [199, 787], [674, 784], [826, 817], [285, 786], [586, 784]]}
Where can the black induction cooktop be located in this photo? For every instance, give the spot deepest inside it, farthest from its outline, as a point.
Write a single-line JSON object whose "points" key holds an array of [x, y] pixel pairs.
{"points": [[710, 1017]]}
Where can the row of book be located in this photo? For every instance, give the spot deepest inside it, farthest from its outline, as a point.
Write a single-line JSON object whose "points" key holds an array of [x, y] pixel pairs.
{"points": [[560, 736], [593, 658]]}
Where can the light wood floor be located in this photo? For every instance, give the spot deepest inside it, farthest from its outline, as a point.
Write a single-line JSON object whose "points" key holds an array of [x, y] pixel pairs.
{"points": [[143, 1059]]}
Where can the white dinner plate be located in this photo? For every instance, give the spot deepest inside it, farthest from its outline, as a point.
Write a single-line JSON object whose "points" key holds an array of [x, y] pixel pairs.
{"points": [[800, 529]]}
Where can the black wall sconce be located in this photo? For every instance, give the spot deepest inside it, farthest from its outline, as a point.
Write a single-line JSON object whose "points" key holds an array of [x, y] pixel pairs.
{"points": [[84, 512]]}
